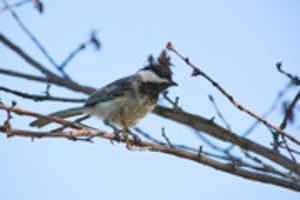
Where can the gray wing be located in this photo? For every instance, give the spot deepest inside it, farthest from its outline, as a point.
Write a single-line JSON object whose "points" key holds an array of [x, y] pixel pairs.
{"points": [[115, 89]]}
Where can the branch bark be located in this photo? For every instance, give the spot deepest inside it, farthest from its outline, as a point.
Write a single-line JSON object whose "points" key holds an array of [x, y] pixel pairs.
{"points": [[208, 127], [201, 159], [191, 120]]}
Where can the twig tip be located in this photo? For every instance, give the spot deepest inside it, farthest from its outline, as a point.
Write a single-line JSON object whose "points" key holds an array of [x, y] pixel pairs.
{"points": [[170, 46]]}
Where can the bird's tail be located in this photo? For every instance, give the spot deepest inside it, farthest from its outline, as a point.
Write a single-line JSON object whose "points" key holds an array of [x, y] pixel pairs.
{"points": [[71, 112]]}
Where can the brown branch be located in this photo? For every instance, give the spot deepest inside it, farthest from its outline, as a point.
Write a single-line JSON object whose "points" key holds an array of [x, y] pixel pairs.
{"points": [[50, 75], [188, 119], [229, 97], [21, 112], [205, 160], [201, 123], [207, 126], [36, 97], [149, 146], [22, 75]]}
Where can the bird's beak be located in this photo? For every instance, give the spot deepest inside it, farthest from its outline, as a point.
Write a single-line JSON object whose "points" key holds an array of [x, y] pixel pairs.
{"points": [[173, 83]]}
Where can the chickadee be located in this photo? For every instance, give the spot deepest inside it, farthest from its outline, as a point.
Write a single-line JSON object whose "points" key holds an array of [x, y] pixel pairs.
{"points": [[126, 101]]}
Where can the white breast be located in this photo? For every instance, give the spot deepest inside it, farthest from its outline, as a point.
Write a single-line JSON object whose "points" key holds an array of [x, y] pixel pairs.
{"points": [[122, 111]]}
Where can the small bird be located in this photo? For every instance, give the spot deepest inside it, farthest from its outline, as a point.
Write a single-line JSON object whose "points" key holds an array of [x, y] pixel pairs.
{"points": [[126, 101]]}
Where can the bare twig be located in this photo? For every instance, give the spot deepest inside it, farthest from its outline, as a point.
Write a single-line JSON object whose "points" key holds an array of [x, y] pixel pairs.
{"points": [[219, 113], [269, 167], [181, 117], [230, 158], [20, 111], [93, 40], [288, 148], [51, 77], [205, 125], [289, 111], [73, 135], [22, 75], [294, 79], [34, 39], [269, 111], [40, 97], [15, 5], [197, 71], [72, 55], [164, 135], [284, 122], [174, 103]]}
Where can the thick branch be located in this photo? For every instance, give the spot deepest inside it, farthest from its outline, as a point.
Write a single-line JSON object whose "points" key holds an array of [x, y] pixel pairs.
{"points": [[207, 126], [201, 159], [188, 119], [193, 121]]}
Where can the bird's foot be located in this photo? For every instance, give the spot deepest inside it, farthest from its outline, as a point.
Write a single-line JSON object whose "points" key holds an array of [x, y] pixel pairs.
{"points": [[117, 131], [131, 143], [117, 136]]}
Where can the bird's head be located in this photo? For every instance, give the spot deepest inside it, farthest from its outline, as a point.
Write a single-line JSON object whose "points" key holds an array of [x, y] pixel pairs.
{"points": [[158, 72]]}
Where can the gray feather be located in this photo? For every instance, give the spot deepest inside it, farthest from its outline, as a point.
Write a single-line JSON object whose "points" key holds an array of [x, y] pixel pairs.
{"points": [[115, 89], [61, 114]]}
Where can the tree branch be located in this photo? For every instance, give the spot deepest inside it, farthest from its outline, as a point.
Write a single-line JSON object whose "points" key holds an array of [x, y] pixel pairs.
{"points": [[201, 159], [207, 126], [50, 75], [230, 98], [40, 97]]}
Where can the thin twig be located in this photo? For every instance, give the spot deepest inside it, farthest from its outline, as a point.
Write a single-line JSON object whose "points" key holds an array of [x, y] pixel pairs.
{"points": [[51, 77], [164, 135], [289, 150], [269, 167], [294, 79], [219, 113], [269, 111], [208, 127], [289, 111], [78, 134], [93, 40], [36, 97], [229, 97], [180, 146], [284, 122], [77, 121], [22, 75], [34, 39], [15, 5], [174, 103], [71, 56]]}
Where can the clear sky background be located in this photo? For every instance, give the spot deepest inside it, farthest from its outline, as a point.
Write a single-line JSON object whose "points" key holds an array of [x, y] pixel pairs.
{"points": [[236, 42]]}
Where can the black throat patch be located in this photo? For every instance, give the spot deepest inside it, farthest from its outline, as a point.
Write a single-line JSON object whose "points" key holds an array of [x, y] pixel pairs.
{"points": [[152, 90]]}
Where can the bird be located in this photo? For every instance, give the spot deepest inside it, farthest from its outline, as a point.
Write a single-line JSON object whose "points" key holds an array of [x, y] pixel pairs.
{"points": [[126, 101]]}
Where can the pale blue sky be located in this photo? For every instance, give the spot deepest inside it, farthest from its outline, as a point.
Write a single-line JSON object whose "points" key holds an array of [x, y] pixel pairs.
{"points": [[236, 42]]}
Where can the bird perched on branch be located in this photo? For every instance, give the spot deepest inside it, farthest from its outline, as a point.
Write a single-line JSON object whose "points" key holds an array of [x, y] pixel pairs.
{"points": [[126, 101]]}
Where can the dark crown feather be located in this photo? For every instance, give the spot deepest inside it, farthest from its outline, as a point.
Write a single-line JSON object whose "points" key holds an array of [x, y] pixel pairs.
{"points": [[161, 66]]}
